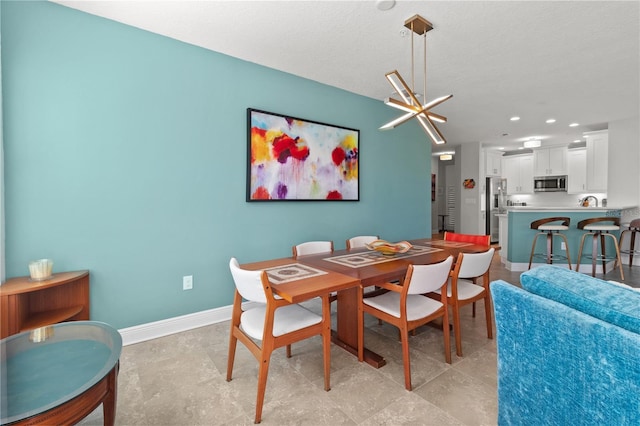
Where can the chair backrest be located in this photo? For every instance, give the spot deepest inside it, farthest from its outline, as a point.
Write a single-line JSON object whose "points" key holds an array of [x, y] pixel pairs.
{"points": [[360, 241], [483, 240], [615, 221], [312, 247], [248, 283], [428, 278], [474, 264], [536, 223]]}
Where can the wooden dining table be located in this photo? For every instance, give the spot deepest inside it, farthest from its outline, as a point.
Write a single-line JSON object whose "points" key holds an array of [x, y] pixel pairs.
{"points": [[345, 271]]}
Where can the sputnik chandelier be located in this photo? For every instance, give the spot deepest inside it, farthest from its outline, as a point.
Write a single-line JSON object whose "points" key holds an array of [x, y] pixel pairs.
{"points": [[409, 103]]}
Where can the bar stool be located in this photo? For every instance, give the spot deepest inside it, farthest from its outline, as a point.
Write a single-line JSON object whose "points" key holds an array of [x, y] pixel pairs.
{"points": [[546, 227], [598, 230], [634, 227]]}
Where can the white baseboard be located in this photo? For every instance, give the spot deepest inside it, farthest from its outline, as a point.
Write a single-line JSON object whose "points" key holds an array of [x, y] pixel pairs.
{"points": [[154, 330]]}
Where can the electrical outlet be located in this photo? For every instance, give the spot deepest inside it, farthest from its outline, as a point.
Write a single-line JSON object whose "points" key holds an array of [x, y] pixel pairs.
{"points": [[187, 282], [563, 246]]}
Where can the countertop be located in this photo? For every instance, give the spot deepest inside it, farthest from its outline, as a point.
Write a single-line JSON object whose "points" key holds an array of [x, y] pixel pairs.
{"points": [[567, 208]]}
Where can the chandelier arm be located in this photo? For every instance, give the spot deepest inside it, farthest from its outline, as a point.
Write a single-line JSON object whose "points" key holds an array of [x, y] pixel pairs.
{"points": [[403, 85], [431, 130], [409, 108], [435, 103], [398, 121]]}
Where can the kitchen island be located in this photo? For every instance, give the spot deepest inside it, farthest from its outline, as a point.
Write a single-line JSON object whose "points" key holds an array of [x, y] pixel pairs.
{"points": [[517, 236]]}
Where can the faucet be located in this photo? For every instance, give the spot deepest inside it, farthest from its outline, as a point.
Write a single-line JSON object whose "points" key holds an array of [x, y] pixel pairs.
{"points": [[585, 200]]}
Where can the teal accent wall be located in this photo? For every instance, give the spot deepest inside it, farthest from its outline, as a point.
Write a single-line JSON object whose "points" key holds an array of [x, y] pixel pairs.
{"points": [[125, 154]]}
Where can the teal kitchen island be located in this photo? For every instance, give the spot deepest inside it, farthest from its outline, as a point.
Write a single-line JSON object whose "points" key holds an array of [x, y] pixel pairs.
{"points": [[517, 236]]}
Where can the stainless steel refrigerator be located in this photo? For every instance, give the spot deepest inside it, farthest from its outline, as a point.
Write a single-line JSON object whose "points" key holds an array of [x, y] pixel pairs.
{"points": [[496, 196]]}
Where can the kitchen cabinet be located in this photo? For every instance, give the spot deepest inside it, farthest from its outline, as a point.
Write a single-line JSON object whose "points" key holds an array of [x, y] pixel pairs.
{"points": [[550, 161], [597, 160], [518, 170], [493, 163], [577, 171]]}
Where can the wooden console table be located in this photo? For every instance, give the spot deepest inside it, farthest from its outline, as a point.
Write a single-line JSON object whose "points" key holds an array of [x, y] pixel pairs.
{"points": [[27, 304]]}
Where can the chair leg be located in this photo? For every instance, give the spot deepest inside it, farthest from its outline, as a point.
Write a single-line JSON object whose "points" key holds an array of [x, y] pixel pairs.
{"points": [[447, 336], [406, 359], [594, 253], [456, 329], [566, 246], [604, 253], [618, 260], [360, 331], [326, 342], [487, 314], [632, 247], [580, 250], [233, 340], [263, 372], [533, 247], [549, 248]]}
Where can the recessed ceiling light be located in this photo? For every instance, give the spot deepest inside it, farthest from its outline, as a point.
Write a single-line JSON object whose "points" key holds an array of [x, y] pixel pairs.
{"points": [[551, 120], [573, 125], [577, 140], [501, 148], [521, 147], [516, 118]]}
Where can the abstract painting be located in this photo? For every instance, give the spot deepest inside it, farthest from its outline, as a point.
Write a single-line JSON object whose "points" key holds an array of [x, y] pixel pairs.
{"points": [[291, 159]]}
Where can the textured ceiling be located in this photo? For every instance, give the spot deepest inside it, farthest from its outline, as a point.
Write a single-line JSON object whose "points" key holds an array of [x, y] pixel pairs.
{"points": [[575, 61]]}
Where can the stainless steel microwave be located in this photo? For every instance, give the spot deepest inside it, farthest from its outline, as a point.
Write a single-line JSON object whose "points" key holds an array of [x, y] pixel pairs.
{"points": [[550, 184]]}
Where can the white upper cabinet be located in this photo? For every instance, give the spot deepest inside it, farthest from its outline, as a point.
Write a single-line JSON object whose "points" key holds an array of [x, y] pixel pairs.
{"points": [[597, 160], [577, 171], [519, 173], [493, 163], [550, 161]]}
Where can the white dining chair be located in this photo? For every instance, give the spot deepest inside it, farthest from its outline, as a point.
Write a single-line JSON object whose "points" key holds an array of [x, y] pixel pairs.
{"points": [[273, 321], [312, 247], [464, 288], [360, 241], [407, 307]]}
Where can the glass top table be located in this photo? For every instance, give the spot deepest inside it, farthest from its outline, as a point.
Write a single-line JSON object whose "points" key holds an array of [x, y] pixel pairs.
{"points": [[60, 373]]}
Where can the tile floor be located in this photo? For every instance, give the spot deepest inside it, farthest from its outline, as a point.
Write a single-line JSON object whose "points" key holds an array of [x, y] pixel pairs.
{"points": [[180, 379]]}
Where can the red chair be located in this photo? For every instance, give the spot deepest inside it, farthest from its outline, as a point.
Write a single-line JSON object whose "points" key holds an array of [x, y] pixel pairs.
{"points": [[481, 240]]}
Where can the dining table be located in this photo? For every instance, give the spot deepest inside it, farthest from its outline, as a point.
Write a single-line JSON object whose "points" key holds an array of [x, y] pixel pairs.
{"points": [[301, 278]]}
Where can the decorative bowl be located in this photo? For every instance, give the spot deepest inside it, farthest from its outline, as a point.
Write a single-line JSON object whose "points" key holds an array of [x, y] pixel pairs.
{"points": [[389, 249]]}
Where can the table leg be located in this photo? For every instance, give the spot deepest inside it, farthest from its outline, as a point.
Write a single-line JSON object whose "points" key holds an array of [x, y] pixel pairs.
{"points": [[347, 334], [110, 399]]}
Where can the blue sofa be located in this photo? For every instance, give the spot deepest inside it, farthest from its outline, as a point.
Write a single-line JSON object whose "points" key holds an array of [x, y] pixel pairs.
{"points": [[568, 350]]}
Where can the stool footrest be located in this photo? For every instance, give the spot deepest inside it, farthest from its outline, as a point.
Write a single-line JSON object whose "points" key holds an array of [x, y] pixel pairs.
{"points": [[553, 256]]}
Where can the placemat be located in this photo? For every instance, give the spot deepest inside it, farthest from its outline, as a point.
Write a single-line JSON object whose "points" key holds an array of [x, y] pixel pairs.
{"points": [[292, 272], [359, 260]]}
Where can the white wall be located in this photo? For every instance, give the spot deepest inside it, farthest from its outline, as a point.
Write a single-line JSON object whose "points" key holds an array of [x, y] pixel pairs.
{"points": [[624, 162], [469, 214]]}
